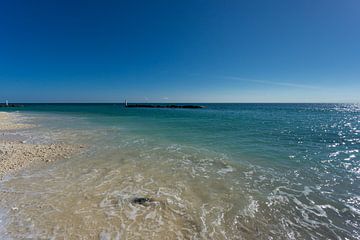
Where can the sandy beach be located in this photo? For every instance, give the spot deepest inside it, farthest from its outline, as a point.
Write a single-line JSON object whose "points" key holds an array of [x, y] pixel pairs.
{"points": [[16, 155]]}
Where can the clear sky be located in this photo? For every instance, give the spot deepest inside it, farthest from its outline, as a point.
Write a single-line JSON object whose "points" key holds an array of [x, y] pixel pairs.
{"points": [[180, 51]]}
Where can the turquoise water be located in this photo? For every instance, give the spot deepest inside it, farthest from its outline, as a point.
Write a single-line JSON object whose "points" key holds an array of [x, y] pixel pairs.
{"points": [[252, 171]]}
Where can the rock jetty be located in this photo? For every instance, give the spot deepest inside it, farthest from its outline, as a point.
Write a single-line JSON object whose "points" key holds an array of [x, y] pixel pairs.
{"points": [[161, 106]]}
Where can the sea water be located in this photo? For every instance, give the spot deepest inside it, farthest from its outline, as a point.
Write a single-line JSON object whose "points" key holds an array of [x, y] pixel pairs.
{"points": [[227, 171]]}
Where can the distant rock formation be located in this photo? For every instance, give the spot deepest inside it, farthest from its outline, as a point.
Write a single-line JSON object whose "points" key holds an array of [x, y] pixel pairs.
{"points": [[161, 106], [11, 105]]}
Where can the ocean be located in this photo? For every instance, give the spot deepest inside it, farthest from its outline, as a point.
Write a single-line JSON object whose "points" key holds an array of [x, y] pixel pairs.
{"points": [[227, 171]]}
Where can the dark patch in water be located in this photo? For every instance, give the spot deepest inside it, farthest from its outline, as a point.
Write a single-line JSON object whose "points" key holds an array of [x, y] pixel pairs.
{"points": [[141, 200]]}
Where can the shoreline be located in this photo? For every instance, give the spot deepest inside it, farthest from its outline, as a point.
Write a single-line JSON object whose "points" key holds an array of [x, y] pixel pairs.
{"points": [[8, 122], [16, 155]]}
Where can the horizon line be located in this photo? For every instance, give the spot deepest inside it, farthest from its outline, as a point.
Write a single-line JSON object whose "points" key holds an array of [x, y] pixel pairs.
{"points": [[90, 102]]}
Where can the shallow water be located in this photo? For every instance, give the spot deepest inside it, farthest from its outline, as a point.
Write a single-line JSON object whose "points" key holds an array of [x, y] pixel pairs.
{"points": [[230, 171]]}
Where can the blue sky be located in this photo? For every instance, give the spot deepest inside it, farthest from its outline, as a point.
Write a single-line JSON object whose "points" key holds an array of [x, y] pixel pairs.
{"points": [[180, 51]]}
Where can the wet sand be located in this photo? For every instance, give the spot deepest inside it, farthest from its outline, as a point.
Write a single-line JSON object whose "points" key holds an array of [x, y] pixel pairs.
{"points": [[16, 155], [8, 122]]}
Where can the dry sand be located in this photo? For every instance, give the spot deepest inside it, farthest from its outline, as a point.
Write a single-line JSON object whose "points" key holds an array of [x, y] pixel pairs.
{"points": [[16, 155]]}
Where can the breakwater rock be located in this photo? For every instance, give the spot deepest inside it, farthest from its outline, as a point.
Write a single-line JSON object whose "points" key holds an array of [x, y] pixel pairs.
{"points": [[161, 106]]}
